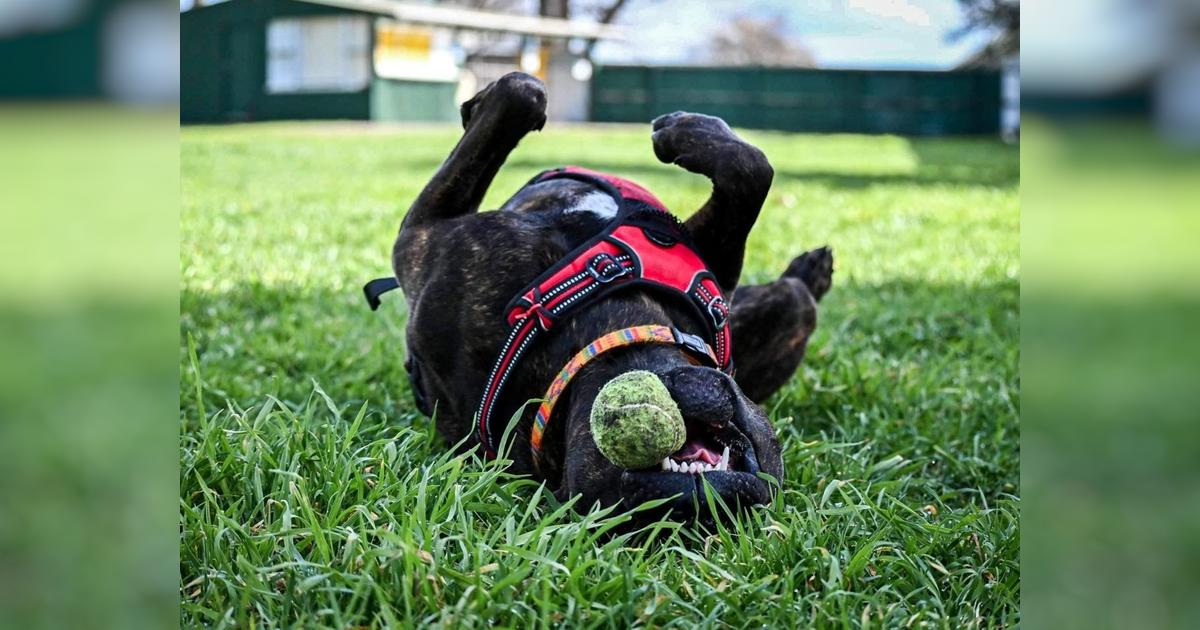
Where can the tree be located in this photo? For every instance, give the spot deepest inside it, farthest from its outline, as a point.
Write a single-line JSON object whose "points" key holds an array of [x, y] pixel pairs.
{"points": [[750, 41], [1000, 17]]}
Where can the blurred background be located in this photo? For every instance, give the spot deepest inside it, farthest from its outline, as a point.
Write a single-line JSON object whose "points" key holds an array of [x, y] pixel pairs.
{"points": [[1110, 300], [89, 196], [874, 66], [1104, 98]]}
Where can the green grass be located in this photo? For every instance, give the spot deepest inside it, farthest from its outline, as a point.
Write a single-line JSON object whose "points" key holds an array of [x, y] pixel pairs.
{"points": [[311, 493]]}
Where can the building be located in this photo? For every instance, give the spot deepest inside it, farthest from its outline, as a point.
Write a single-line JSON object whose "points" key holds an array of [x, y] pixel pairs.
{"points": [[120, 50], [243, 60]]}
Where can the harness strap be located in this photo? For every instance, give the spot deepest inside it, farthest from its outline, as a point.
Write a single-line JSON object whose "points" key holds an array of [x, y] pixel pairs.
{"points": [[696, 347], [537, 314]]}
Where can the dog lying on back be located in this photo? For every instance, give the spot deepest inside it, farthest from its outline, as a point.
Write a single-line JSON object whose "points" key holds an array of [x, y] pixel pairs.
{"points": [[502, 306]]}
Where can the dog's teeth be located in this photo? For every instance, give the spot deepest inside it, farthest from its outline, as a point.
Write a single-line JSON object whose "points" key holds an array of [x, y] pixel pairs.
{"points": [[675, 466], [724, 463], [666, 463]]}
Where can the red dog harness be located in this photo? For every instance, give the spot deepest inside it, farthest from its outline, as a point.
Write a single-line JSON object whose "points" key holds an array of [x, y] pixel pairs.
{"points": [[642, 246]]}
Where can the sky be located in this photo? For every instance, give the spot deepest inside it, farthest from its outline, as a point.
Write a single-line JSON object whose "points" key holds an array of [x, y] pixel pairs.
{"points": [[839, 33]]}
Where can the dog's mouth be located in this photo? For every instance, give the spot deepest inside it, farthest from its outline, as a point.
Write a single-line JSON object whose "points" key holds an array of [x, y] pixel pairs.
{"points": [[707, 449], [720, 459], [714, 445]]}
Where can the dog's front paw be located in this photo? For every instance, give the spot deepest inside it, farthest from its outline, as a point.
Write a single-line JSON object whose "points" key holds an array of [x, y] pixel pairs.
{"points": [[706, 145], [517, 99], [682, 137]]}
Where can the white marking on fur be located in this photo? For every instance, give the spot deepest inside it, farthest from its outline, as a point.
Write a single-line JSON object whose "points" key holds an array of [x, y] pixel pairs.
{"points": [[598, 203]]}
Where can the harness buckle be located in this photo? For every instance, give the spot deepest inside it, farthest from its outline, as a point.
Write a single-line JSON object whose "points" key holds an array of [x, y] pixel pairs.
{"points": [[604, 268], [692, 343], [718, 311]]}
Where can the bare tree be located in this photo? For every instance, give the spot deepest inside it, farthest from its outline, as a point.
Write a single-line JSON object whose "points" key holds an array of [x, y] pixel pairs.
{"points": [[1002, 18], [750, 41]]}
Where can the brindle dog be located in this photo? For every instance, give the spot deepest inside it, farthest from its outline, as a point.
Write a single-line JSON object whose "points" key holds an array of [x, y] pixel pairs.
{"points": [[459, 268]]}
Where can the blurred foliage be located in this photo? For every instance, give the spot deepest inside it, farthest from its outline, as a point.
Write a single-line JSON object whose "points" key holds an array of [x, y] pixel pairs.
{"points": [[1110, 301], [87, 393]]}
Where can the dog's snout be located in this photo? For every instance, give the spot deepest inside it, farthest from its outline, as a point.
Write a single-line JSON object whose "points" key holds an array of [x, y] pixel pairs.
{"points": [[704, 395]]}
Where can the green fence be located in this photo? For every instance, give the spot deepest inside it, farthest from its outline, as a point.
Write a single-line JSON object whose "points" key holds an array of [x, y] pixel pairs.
{"points": [[900, 102]]}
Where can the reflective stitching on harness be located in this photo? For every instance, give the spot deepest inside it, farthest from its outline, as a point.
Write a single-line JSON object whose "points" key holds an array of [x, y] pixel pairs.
{"points": [[504, 378], [493, 387], [574, 280], [566, 284]]}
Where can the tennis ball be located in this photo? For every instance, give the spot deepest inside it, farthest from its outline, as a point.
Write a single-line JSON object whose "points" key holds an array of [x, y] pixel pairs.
{"points": [[635, 422]]}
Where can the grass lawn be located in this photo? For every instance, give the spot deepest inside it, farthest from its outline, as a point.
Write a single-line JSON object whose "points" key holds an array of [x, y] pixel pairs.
{"points": [[312, 493]]}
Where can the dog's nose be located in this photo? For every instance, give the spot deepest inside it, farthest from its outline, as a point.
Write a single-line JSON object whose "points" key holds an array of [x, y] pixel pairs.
{"points": [[703, 394]]}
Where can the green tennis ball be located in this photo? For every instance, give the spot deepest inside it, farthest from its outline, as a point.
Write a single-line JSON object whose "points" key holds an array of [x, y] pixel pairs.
{"points": [[635, 422]]}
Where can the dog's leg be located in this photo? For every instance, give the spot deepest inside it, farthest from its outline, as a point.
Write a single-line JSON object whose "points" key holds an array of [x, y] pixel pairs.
{"points": [[741, 177], [495, 120], [771, 323]]}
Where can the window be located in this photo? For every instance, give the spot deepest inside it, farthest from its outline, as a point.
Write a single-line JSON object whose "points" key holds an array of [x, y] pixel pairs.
{"points": [[318, 54]]}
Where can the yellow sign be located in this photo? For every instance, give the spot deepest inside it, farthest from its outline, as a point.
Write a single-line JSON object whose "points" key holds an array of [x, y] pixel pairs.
{"points": [[402, 42], [414, 53]]}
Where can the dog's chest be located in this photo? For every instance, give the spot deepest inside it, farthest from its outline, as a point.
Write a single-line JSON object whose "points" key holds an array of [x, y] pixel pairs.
{"points": [[596, 203]]}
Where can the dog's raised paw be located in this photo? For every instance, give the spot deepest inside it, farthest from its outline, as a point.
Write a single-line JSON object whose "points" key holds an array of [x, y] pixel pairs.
{"points": [[677, 137], [708, 146], [815, 269], [518, 98]]}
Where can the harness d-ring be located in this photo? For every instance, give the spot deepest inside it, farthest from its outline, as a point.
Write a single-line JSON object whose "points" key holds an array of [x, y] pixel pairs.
{"points": [[604, 268], [718, 311]]}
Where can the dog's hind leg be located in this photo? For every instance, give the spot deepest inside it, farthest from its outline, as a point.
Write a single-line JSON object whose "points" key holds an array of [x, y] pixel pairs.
{"points": [[771, 323], [741, 177], [494, 120]]}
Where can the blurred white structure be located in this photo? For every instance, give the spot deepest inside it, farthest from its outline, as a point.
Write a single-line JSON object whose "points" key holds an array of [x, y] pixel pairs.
{"points": [[370, 59], [139, 53], [542, 46], [1115, 56]]}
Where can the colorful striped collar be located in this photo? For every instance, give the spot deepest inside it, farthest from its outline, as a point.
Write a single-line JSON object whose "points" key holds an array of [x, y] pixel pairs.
{"points": [[696, 348]]}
